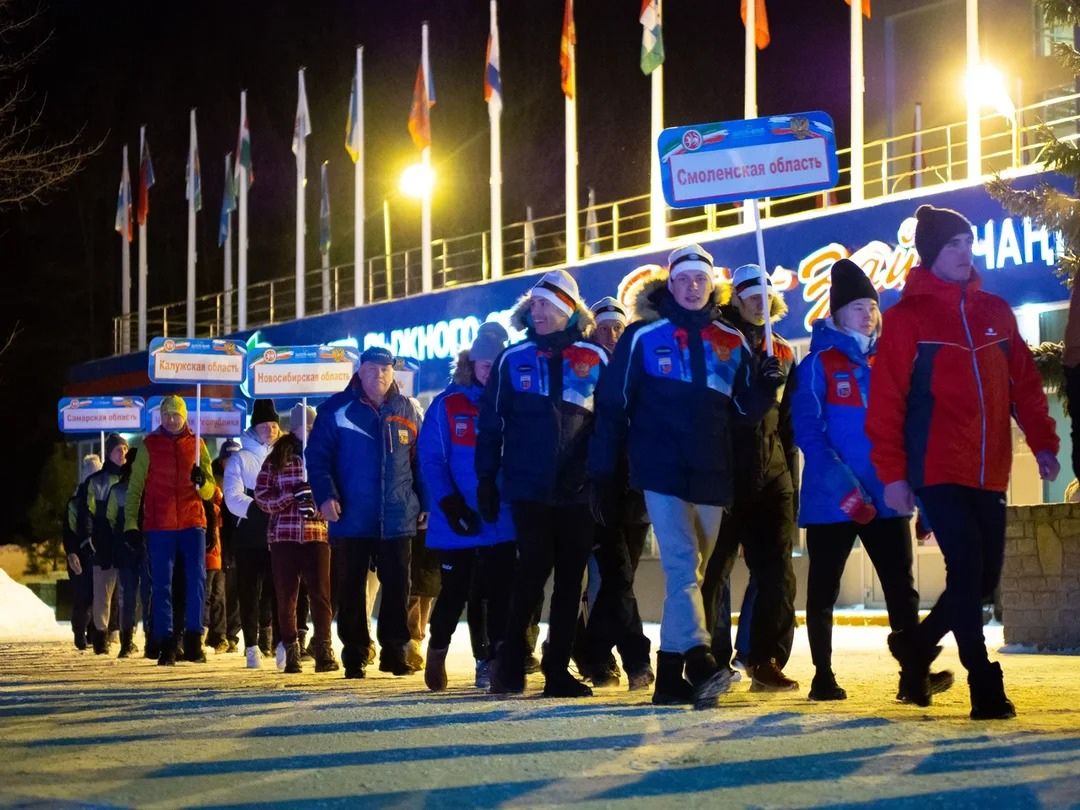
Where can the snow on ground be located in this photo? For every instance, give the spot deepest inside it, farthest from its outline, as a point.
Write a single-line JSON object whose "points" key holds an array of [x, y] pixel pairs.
{"points": [[76, 728], [24, 617]]}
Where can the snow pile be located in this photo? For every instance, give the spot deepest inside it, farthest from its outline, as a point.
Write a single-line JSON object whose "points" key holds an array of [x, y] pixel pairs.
{"points": [[24, 617]]}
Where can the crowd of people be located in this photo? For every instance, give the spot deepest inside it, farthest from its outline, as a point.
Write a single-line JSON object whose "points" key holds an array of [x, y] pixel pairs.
{"points": [[551, 458]]}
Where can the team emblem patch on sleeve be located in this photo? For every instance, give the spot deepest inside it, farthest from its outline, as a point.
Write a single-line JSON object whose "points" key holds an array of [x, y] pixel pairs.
{"points": [[403, 436], [843, 389], [461, 426]]}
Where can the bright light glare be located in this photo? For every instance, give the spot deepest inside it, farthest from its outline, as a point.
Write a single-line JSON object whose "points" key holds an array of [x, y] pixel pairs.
{"points": [[986, 85], [417, 180]]}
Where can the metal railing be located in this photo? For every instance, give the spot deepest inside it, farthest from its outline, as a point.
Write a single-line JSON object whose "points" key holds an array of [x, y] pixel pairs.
{"points": [[890, 165]]}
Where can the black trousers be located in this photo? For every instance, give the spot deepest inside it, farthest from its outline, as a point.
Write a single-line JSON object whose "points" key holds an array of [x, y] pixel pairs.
{"points": [[969, 525], [1072, 391], [615, 620], [476, 615], [232, 603], [764, 526], [888, 543], [214, 609], [489, 573], [551, 539], [352, 559], [82, 598], [256, 586]]}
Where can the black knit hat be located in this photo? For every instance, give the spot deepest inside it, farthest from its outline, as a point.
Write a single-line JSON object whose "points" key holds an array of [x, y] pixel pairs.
{"points": [[935, 227], [113, 441], [264, 411], [849, 283]]}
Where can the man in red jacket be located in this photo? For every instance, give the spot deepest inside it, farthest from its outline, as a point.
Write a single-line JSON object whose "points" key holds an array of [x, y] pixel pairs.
{"points": [[951, 369]]}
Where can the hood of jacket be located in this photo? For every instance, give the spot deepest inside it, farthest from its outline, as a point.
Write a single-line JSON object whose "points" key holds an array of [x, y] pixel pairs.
{"points": [[826, 335], [778, 307], [922, 281], [581, 323], [653, 300], [249, 441], [463, 369]]}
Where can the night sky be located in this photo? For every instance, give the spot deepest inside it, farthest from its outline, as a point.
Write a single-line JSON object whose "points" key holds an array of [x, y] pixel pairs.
{"points": [[111, 66]]}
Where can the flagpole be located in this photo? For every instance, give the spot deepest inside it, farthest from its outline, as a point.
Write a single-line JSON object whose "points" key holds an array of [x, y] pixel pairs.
{"points": [[857, 91], [528, 239], [228, 258], [125, 262], [572, 249], [657, 206], [750, 86], [426, 277], [974, 135], [300, 148], [192, 147], [242, 226], [142, 253], [495, 118], [324, 236], [358, 179]]}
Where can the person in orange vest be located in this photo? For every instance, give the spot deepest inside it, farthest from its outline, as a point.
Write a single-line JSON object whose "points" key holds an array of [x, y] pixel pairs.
{"points": [[171, 477]]}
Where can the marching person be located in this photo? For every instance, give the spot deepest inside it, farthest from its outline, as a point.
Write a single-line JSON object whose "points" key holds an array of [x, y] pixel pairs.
{"points": [[842, 497], [679, 380], [536, 417], [80, 560], [951, 370], [214, 611], [130, 561], [228, 557], [365, 477], [170, 478], [474, 555], [762, 517]]}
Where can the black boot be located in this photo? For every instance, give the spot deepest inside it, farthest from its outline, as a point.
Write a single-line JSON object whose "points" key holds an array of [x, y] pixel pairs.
{"points": [[559, 683], [507, 673], [988, 700], [671, 688], [917, 685], [80, 639], [127, 646], [193, 649], [101, 642], [307, 648], [825, 687], [324, 657], [167, 653], [152, 649], [709, 679], [292, 659]]}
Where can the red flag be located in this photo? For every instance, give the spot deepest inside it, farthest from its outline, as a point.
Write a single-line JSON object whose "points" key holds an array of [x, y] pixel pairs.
{"points": [[567, 45], [761, 23], [865, 7], [419, 114]]}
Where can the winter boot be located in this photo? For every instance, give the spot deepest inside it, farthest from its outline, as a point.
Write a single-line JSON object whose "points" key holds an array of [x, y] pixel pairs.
{"points": [[324, 657], [306, 649], [193, 649], [167, 654], [671, 689], [394, 664], [824, 687], [265, 646], [603, 673], [561, 684], [988, 700], [292, 659], [80, 639], [233, 646], [152, 649], [640, 677], [435, 669], [413, 657], [507, 677], [708, 678], [915, 658], [254, 657], [483, 673], [769, 677], [127, 646], [101, 642], [370, 653]]}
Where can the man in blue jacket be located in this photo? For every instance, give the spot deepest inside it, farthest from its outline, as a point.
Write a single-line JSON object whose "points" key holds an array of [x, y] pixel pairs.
{"points": [[364, 474]]}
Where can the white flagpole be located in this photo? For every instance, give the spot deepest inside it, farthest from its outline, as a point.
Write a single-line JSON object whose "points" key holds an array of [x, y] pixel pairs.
{"points": [[192, 147], [857, 90], [300, 148], [572, 248], [242, 226], [426, 277], [358, 178], [750, 86], [142, 254], [125, 263], [974, 135], [228, 261], [657, 206], [495, 117], [198, 423], [763, 271]]}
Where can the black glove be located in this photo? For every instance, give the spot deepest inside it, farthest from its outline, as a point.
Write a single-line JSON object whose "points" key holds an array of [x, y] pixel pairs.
{"points": [[133, 539], [604, 501], [86, 548], [198, 477], [771, 372], [305, 501], [487, 498], [462, 519]]}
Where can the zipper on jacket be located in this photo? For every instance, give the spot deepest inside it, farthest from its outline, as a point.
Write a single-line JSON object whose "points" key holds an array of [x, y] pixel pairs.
{"points": [[982, 398]]}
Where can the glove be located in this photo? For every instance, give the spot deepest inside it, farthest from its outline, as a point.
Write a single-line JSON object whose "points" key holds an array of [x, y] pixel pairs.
{"points": [[305, 501], [487, 498], [87, 548], [857, 508], [133, 539], [604, 501], [198, 477], [771, 372], [463, 520], [211, 541]]}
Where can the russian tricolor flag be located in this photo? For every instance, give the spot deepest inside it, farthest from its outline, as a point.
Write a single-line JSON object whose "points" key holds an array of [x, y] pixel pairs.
{"points": [[492, 79], [123, 203], [146, 181]]}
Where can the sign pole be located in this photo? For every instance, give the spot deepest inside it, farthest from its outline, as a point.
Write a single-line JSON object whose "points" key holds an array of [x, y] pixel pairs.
{"points": [[753, 205], [103, 459], [198, 421], [303, 441]]}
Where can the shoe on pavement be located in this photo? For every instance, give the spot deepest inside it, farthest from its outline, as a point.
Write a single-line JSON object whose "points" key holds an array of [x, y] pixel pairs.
{"points": [[413, 657], [355, 672], [435, 669], [564, 685], [641, 678], [279, 656], [254, 657], [483, 673], [768, 677], [825, 687]]}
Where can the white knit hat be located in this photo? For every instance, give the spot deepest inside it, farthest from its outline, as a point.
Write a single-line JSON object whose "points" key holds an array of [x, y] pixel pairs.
{"points": [[608, 309], [688, 259], [559, 288], [746, 281]]}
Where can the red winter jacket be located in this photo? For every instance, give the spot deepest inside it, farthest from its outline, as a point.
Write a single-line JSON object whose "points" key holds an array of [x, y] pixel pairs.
{"points": [[951, 369]]}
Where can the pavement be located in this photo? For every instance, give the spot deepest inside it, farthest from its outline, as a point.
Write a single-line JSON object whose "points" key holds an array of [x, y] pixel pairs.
{"points": [[83, 730]]}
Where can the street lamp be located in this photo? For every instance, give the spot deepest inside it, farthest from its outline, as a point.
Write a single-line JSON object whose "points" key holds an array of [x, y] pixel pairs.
{"points": [[986, 85], [417, 181]]}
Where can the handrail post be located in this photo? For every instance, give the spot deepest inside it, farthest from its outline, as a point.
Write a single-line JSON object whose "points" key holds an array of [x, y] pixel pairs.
{"points": [[271, 302], [884, 168], [614, 227], [444, 263], [948, 153], [484, 265], [164, 320]]}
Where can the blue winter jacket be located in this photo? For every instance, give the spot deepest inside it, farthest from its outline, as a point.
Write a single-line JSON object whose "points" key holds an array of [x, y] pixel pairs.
{"points": [[448, 462], [678, 384], [366, 459], [832, 385]]}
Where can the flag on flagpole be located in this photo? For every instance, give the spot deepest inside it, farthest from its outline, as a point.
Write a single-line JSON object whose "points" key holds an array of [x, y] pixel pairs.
{"points": [[352, 123], [865, 7], [761, 23], [243, 151], [193, 175], [123, 203], [324, 213], [492, 77], [302, 125], [652, 40], [228, 201], [146, 182], [423, 101], [567, 48]]}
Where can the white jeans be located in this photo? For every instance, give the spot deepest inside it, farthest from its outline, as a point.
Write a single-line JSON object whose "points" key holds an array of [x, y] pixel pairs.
{"points": [[686, 533]]}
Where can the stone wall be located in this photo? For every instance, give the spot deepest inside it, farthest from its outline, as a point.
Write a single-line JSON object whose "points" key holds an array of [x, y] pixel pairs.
{"points": [[1040, 583]]}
